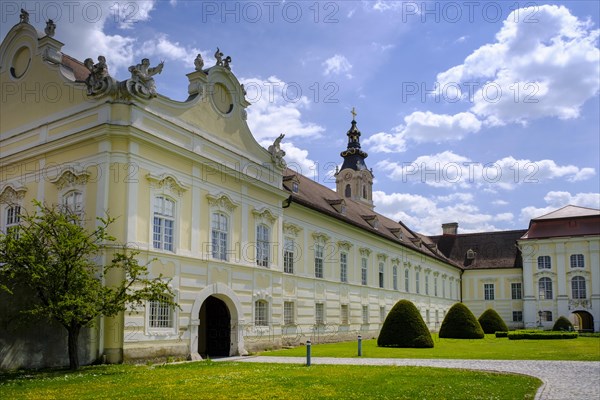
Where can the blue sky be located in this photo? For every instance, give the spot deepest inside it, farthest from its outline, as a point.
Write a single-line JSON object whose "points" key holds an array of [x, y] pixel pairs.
{"points": [[481, 113]]}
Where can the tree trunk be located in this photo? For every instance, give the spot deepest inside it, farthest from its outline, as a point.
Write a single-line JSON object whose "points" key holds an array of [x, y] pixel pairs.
{"points": [[73, 346]]}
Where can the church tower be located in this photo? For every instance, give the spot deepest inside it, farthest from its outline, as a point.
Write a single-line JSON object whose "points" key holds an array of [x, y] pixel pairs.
{"points": [[354, 180]]}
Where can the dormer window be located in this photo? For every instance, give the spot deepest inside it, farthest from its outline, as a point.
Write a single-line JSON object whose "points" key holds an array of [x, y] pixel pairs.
{"points": [[372, 220], [339, 205], [396, 232], [295, 187], [470, 254]]}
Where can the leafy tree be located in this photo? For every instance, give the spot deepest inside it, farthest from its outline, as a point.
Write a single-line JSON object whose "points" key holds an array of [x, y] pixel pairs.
{"points": [[53, 256], [492, 322], [460, 323], [404, 327]]}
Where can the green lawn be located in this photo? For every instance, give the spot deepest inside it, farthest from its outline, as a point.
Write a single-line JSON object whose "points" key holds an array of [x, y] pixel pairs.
{"points": [[489, 348], [212, 380]]}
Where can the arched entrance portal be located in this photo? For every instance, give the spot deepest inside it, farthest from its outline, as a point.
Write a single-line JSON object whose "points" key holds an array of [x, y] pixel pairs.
{"points": [[214, 337], [583, 320], [212, 306]]}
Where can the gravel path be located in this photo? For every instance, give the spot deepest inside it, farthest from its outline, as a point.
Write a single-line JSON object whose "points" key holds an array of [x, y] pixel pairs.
{"points": [[563, 380]]}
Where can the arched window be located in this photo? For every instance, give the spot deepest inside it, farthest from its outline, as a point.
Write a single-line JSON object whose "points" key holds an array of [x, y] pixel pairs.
{"points": [[164, 223], [12, 217], [381, 274], [73, 203], [219, 233], [262, 245], [261, 308], [545, 288], [578, 287], [364, 194], [395, 277], [417, 282], [348, 191], [544, 262], [406, 281]]}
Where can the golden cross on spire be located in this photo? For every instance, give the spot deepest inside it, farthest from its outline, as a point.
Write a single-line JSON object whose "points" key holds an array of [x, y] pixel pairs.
{"points": [[354, 114]]}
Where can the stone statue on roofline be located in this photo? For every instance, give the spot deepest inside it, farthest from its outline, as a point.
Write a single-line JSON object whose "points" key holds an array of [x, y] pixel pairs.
{"points": [[24, 17], [199, 62], [227, 62], [277, 153], [142, 81], [98, 82], [219, 57], [50, 28]]}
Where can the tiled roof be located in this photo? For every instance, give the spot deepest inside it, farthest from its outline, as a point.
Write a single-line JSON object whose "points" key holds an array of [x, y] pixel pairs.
{"points": [[79, 70], [569, 212], [322, 199], [487, 249], [568, 221]]}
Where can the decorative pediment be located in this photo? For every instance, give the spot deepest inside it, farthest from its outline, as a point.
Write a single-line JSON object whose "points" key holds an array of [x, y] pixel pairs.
{"points": [[407, 264], [395, 260], [12, 195], [364, 252], [222, 201], [382, 256], [436, 273], [320, 237], [574, 273], [167, 182], [262, 295], [291, 229], [264, 215], [396, 232], [489, 280], [545, 273], [71, 178], [418, 268], [444, 276], [427, 270], [344, 245]]}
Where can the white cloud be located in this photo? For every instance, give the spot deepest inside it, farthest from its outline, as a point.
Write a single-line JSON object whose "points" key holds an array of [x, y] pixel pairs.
{"points": [[388, 5], [383, 142], [547, 68], [556, 200], [426, 216], [163, 48], [338, 64], [275, 111], [448, 169]]}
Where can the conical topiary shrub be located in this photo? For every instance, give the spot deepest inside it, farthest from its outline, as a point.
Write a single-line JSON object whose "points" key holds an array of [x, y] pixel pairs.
{"points": [[404, 327], [562, 324], [460, 323], [491, 322]]}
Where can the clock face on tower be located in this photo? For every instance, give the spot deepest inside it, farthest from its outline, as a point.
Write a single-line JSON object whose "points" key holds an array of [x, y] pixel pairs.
{"points": [[348, 176]]}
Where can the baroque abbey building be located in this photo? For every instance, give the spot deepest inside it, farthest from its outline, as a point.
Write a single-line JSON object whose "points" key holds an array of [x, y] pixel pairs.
{"points": [[258, 255]]}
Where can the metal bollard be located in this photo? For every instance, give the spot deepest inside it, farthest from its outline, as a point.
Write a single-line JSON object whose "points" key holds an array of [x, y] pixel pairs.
{"points": [[308, 345], [359, 346]]}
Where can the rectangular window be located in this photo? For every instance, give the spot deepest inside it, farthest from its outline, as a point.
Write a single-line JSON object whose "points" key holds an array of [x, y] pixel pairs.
{"points": [[262, 245], [288, 313], [13, 217], [344, 315], [545, 288], [260, 313], [73, 202], [365, 314], [544, 262], [516, 291], [444, 288], [427, 284], [363, 271], [488, 291], [578, 290], [546, 316], [162, 231], [318, 260], [395, 277], [381, 274], [343, 267], [319, 313], [435, 292], [406, 281], [417, 282], [161, 313], [517, 316], [220, 229], [577, 261], [382, 314], [288, 256]]}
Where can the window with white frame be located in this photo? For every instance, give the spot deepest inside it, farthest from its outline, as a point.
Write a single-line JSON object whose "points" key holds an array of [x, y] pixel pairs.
{"points": [[219, 235], [164, 223], [382, 314], [544, 262], [578, 290], [344, 314], [160, 313], [488, 291], [435, 291], [406, 281], [319, 260], [545, 288], [262, 245], [577, 261], [444, 287], [417, 282], [516, 290], [363, 271], [517, 316], [365, 314], [427, 284], [381, 274], [73, 203], [288, 312], [395, 277], [451, 289], [261, 308], [546, 316], [288, 255], [343, 267], [319, 313], [12, 217]]}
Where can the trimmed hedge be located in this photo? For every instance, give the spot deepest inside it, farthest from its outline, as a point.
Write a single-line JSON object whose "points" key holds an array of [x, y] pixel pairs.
{"points": [[460, 323], [404, 327], [537, 335], [563, 324], [491, 322], [501, 334]]}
